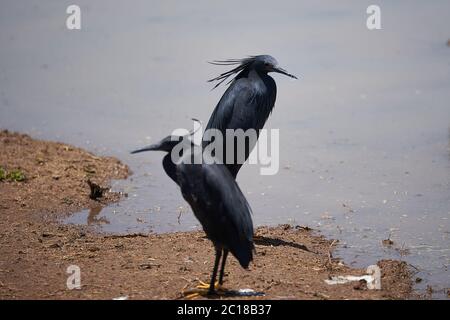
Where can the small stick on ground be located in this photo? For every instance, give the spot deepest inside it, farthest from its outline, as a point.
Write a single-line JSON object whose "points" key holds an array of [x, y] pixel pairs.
{"points": [[330, 263], [129, 235]]}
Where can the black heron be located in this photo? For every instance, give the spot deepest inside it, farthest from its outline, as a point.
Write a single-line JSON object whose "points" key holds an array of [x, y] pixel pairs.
{"points": [[216, 200], [246, 104]]}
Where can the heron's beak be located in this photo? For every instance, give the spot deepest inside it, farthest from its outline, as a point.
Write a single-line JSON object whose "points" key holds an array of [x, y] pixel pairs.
{"points": [[153, 147], [282, 71]]}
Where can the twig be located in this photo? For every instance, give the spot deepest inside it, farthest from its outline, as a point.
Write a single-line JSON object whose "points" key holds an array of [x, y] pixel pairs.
{"points": [[330, 264], [132, 235], [179, 216]]}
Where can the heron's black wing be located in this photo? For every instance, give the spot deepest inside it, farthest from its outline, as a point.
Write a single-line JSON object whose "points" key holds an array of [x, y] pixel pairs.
{"points": [[244, 105], [220, 206], [236, 109], [234, 212]]}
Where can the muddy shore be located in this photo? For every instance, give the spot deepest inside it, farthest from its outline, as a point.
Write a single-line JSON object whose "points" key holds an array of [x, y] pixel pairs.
{"points": [[44, 181]]}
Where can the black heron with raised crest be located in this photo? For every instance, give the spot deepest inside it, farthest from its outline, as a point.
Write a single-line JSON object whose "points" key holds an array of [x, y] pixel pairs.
{"points": [[246, 104]]}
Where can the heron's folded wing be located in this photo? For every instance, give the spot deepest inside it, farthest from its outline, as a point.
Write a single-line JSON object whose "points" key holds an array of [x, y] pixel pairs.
{"points": [[233, 209], [229, 112]]}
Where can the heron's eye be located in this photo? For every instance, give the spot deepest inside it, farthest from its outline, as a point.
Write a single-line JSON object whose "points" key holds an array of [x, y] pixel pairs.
{"points": [[266, 64]]}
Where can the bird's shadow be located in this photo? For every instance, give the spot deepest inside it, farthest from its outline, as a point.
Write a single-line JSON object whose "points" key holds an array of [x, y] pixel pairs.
{"points": [[236, 293], [275, 242]]}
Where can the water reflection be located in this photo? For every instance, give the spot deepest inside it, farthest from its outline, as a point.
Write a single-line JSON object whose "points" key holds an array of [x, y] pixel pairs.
{"points": [[93, 219]]}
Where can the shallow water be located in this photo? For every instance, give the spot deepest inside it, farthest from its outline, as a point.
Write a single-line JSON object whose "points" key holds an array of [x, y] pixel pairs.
{"points": [[364, 133]]}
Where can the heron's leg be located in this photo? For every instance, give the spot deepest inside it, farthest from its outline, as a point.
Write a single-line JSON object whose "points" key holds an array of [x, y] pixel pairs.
{"points": [[214, 274], [222, 269], [206, 289]]}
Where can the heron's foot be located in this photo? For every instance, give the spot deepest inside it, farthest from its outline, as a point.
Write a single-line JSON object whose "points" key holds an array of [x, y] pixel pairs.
{"points": [[203, 290]]}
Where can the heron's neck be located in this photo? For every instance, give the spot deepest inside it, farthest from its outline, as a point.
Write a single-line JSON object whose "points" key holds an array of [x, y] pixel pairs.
{"points": [[170, 167], [257, 79]]}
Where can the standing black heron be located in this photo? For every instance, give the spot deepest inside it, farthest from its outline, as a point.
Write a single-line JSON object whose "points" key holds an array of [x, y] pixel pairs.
{"points": [[246, 104], [216, 200]]}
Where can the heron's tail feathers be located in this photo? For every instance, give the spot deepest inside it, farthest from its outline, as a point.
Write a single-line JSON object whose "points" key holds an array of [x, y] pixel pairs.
{"points": [[244, 253]]}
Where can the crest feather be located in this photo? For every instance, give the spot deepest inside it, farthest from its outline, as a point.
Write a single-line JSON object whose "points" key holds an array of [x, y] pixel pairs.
{"points": [[242, 65]]}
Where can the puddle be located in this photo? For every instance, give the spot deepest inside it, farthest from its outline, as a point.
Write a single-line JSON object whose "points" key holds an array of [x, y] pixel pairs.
{"points": [[364, 133], [90, 217]]}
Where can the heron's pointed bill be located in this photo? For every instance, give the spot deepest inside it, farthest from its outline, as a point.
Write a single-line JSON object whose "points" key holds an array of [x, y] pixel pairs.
{"points": [[153, 147], [282, 71]]}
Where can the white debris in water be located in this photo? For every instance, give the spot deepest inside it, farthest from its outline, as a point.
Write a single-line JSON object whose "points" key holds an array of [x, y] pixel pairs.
{"points": [[345, 279], [121, 298]]}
